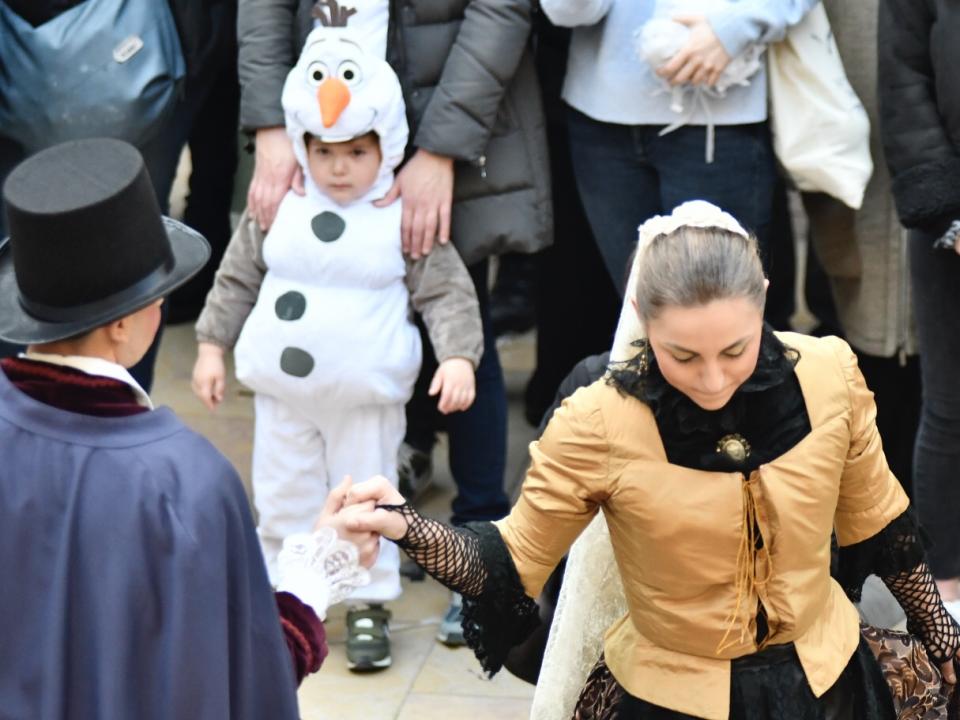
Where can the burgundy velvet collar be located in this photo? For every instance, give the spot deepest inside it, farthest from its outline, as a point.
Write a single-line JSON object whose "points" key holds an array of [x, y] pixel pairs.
{"points": [[72, 390]]}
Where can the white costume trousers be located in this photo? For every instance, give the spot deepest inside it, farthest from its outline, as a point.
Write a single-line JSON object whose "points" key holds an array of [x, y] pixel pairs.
{"points": [[298, 456]]}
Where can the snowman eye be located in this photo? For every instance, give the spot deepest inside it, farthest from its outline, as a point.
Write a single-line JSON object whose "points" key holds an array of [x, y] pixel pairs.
{"points": [[349, 72], [317, 72]]}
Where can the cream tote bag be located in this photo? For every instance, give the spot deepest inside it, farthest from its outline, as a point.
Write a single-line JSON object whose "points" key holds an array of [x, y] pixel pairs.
{"points": [[821, 133]]}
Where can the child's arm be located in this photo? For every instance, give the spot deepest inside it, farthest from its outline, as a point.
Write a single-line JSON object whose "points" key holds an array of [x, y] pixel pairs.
{"points": [[209, 375], [442, 291], [456, 385], [227, 308]]}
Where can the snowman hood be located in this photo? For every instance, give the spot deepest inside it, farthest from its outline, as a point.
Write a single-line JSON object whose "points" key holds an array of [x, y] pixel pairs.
{"points": [[339, 90]]}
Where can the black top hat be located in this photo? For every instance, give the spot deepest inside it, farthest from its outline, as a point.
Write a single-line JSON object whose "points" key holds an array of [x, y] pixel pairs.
{"points": [[87, 243]]}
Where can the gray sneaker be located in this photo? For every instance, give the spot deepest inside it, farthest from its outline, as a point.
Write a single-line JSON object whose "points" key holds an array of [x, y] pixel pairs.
{"points": [[368, 638], [414, 471], [451, 627]]}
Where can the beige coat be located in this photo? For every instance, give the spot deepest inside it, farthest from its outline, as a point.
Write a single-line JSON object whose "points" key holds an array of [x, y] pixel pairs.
{"points": [[864, 252], [681, 537], [440, 290]]}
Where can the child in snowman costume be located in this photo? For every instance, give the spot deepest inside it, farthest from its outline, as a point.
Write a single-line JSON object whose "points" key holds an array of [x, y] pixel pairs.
{"points": [[318, 312]]}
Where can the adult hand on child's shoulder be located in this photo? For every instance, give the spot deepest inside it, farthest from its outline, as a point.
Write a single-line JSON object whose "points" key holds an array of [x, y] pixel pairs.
{"points": [[209, 375], [425, 185], [275, 171], [455, 382]]}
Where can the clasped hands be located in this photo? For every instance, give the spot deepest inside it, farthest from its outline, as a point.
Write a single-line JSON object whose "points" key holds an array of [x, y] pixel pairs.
{"points": [[702, 60], [352, 511]]}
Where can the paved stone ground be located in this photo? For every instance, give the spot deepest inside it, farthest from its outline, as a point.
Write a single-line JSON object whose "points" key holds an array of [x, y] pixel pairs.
{"points": [[427, 680]]}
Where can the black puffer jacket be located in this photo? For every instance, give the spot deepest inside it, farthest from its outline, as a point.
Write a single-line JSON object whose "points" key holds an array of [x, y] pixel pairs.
{"points": [[471, 93], [919, 55]]}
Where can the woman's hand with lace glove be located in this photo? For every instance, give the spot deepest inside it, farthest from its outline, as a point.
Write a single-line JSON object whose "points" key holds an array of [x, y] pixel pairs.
{"points": [[948, 668], [451, 555], [927, 618], [368, 495], [702, 60]]}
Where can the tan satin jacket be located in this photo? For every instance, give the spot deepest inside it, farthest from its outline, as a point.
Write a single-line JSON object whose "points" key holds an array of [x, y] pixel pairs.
{"points": [[683, 538]]}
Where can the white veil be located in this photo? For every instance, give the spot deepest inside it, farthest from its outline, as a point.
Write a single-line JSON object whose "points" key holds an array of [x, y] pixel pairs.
{"points": [[592, 596]]}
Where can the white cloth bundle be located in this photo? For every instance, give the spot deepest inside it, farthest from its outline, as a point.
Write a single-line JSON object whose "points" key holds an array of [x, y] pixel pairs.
{"points": [[661, 38]]}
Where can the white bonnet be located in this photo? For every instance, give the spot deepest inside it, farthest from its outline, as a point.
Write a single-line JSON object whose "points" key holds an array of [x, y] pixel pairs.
{"points": [[696, 213]]}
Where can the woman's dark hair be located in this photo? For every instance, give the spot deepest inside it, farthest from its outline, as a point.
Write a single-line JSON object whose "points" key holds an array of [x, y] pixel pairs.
{"points": [[693, 266]]}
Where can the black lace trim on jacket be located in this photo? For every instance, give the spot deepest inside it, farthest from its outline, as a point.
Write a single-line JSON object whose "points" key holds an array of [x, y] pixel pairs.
{"points": [[474, 561], [898, 548], [768, 410], [503, 615], [896, 555]]}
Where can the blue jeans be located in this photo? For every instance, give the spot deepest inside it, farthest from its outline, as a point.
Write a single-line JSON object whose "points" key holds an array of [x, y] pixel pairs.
{"points": [[629, 173], [477, 436], [935, 276]]}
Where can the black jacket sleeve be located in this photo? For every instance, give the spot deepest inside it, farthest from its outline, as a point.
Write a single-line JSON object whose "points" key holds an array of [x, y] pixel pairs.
{"points": [[924, 162], [585, 372]]}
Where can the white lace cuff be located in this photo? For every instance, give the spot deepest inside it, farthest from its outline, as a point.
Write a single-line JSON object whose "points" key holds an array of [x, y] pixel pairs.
{"points": [[320, 569]]}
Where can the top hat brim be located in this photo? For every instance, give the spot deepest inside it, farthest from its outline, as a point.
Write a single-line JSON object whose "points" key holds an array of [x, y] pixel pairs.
{"points": [[18, 326]]}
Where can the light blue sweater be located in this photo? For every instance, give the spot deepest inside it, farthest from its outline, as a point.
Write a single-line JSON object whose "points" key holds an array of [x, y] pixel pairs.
{"points": [[608, 81]]}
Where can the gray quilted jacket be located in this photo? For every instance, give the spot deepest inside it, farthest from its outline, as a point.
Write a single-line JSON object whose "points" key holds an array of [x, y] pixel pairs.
{"points": [[471, 93]]}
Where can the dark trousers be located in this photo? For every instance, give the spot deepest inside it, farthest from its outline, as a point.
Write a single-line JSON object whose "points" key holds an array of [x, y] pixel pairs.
{"points": [[897, 391], [936, 471], [478, 436], [206, 118], [782, 271], [577, 304], [629, 173]]}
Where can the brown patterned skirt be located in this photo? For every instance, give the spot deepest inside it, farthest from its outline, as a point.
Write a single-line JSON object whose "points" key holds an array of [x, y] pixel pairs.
{"points": [[890, 676]]}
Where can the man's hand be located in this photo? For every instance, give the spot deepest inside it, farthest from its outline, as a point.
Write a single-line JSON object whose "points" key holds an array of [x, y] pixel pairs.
{"points": [[702, 60], [454, 381], [337, 515], [275, 171], [956, 245], [425, 185], [209, 375]]}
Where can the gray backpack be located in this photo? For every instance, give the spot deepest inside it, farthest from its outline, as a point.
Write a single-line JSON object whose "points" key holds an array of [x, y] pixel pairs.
{"points": [[104, 68]]}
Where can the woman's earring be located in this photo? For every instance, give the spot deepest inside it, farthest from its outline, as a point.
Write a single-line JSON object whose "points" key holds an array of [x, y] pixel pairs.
{"points": [[643, 359]]}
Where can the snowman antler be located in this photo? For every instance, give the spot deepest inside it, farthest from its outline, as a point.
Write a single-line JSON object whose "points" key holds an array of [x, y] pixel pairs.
{"points": [[338, 15]]}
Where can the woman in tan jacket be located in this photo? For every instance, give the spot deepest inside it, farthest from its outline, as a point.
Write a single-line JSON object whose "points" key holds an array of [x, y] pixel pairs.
{"points": [[723, 457]]}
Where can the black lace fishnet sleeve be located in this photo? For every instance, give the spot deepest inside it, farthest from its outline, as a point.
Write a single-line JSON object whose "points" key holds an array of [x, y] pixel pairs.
{"points": [[896, 555], [895, 549], [917, 594], [474, 561]]}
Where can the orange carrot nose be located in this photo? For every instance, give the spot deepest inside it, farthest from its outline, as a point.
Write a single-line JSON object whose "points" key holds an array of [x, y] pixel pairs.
{"points": [[334, 96]]}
